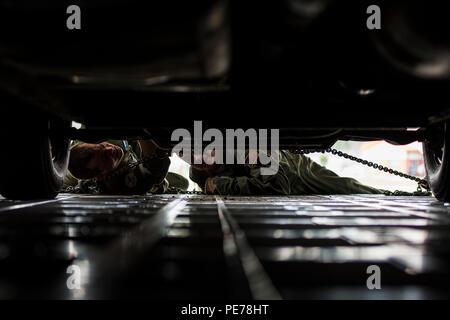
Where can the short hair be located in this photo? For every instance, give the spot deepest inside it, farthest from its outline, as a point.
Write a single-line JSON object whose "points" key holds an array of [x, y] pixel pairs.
{"points": [[80, 155]]}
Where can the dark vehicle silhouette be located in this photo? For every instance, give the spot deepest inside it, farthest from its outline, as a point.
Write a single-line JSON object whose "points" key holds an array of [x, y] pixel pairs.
{"points": [[140, 69]]}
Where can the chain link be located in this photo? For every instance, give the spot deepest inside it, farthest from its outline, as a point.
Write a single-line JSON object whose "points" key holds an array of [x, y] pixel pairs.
{"points": [[422, 183]]}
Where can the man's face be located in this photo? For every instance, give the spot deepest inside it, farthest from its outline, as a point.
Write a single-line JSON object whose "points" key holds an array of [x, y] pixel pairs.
{"points": [[106, 157], [207, 157]]}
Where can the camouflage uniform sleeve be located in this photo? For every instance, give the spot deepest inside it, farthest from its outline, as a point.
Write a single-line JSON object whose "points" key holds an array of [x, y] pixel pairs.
{"points": [[138, 179], [255, 183], [70, 181], [316, 179]]}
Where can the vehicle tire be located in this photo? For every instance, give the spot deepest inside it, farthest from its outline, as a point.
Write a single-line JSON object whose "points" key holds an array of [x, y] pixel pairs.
{"points": [[33, 164], [436, 153]]}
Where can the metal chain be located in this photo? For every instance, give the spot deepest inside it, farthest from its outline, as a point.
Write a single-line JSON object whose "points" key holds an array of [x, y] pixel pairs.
{"points": [[422, 183]]}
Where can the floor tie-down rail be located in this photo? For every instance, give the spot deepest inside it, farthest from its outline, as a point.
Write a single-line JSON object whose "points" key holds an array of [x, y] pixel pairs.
{"points": [[206, 247]]}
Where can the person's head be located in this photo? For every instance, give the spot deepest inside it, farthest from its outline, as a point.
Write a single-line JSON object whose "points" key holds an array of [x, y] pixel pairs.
{"points": [[207, 162], [88, 161]]}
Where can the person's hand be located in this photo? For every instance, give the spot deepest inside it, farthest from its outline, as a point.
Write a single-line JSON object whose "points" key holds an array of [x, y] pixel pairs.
{"points": [[209, 186]]}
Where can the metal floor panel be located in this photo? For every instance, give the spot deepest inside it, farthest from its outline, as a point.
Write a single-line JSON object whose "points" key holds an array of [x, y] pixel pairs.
{"points": [[206, 247]]}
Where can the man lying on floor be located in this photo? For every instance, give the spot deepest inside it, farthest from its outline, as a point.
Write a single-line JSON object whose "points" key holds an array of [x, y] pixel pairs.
{"points": [[297, 175], [119, 167]]}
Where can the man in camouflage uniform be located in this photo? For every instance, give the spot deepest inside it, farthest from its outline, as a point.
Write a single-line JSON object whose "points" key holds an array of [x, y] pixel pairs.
{"points": [[120, 167], [297, 175]]}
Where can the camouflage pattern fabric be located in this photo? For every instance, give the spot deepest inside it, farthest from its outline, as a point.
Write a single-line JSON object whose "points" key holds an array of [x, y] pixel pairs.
{"points": [[297, 175], [133, 176]]}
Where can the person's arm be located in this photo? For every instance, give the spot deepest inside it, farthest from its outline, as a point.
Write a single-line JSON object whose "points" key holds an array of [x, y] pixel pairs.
{"points": [[70, 181], [156, 160], [316, 179], [254, 184], [148, 147]]}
